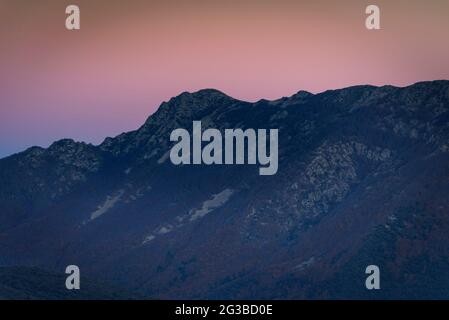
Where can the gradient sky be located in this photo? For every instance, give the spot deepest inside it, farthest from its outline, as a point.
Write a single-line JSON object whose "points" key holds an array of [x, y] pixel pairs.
{"points": [[131, 55]]}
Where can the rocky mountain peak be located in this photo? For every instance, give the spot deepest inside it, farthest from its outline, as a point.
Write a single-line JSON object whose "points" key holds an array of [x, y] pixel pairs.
{"points": [[186, 107], [301, 94], [188, 102]]}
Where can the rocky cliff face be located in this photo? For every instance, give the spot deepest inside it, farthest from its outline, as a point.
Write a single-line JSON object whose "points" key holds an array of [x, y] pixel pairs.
{"points": [[363, 179]]}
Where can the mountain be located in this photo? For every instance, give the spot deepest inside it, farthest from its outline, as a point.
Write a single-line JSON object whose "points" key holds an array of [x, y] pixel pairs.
{"points": [[362, 180]]}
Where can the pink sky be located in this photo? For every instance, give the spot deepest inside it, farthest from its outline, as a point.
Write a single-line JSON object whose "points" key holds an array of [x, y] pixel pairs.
{"points": [[129, 56]]}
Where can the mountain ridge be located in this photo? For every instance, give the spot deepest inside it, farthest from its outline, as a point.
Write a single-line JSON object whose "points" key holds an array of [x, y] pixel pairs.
{"points": [[361, 180], [208, 92]]}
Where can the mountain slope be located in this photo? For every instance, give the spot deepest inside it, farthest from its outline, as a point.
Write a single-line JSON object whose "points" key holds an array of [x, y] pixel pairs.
{"points": [[27, 283], [363, 179]]}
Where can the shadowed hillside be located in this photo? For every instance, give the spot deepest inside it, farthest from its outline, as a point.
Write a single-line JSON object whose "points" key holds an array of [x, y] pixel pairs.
{"points": [[363, 179]]}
